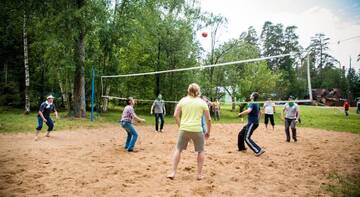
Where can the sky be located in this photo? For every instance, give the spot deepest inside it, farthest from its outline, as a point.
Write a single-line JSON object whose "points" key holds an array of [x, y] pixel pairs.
{"points": [[337, 19]]}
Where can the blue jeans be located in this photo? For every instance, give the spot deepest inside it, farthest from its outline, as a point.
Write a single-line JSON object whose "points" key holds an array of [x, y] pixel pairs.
{"points": [[49, 123], [131, 135], [203, 124]]}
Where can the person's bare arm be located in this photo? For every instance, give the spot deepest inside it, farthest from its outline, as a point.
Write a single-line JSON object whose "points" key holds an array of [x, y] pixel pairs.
{"points": [[259, 115], [177, 114], [42, 116], [208, 123], [245, 112], [152, 108], [56, 113], [283, 113], [137, 118], [298, 114]]}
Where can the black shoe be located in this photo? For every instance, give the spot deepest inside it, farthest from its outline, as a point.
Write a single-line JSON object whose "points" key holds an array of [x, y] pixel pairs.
{"points": [[242, 150], [260, 152], [287, 140], [295, 140]]}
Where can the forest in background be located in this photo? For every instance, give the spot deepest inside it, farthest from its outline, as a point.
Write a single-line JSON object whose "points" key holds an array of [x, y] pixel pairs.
{"points": [[50, 47]]}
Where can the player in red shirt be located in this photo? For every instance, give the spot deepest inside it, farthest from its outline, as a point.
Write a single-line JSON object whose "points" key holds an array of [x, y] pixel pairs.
{"points": [[346, 108]]}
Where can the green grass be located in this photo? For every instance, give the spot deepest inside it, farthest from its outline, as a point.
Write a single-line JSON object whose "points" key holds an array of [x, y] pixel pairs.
{"points": [[13, 120], [343, 186]]}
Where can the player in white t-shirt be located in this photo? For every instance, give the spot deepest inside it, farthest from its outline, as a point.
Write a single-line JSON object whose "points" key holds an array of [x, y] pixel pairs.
{"points": [[269, 110], [292, 114]]}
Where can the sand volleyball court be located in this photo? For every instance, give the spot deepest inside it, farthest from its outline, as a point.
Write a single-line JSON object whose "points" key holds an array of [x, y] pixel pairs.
{"points": [[92, 162]]}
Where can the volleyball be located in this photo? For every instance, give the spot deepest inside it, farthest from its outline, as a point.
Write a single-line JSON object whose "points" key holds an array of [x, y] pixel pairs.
{"points": [[204, 34]]}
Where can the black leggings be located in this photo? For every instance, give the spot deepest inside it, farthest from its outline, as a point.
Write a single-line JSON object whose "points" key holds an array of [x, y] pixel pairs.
{"points": [[157, 117], [271, 117]]}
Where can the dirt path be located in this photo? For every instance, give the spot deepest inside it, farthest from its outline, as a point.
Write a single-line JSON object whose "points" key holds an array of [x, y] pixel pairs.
{"points": [[93, 163]]}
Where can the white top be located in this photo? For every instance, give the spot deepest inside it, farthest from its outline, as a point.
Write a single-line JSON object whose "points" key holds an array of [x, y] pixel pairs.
{"points": [[269, 107], [291, 112]]}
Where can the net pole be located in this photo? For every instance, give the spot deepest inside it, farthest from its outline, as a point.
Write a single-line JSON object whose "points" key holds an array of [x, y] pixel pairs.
{"points": [[102, 87], [92, 94], [308, 77]]}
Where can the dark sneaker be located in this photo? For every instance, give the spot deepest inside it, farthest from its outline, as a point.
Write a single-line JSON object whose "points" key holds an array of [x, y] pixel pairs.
{"points": [[260, 152]]}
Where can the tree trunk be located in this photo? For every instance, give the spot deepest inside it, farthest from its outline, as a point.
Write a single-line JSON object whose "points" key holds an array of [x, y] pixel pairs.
{"points": [[26, 63], [157, 76], [5, 74], [105, 104], [79, 105], [233, 100], [63, 90], [79, 81]]}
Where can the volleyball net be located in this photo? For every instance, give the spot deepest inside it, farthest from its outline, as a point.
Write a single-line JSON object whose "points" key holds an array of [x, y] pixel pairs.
{"points": [[230, 82]]}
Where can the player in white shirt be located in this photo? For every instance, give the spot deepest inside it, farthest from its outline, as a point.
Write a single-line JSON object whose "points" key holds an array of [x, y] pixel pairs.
{"points": [[269, 110]]}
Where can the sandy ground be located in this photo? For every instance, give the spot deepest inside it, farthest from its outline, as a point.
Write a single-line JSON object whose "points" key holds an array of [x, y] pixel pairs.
{"points": [[93, 163]]}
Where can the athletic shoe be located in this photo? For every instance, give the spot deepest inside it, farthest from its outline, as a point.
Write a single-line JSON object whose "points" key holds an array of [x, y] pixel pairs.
{"points": [[260, 153], [242, 150]]}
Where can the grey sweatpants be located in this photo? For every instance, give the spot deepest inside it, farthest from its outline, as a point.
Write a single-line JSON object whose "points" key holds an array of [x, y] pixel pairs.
{"points": [[290, 123]]}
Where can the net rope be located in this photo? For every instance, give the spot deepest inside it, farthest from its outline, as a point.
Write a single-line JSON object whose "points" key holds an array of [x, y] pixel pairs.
{"points": [[195, 68]]}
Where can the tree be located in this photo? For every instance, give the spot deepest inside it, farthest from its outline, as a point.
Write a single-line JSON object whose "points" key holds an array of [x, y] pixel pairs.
{"points": [[215, 22], [320, 58], [319, 46], [276, 41], [353, 80], [79, 106], [237, 49], [251, 36], [26, 62], [272, 39], [257, 77]]}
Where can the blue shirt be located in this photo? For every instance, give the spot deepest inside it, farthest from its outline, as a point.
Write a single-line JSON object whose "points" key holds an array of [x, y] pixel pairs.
{"points": [[46, 108], [253, 116]]}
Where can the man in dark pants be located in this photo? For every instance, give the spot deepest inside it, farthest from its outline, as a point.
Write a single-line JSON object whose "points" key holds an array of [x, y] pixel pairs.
{"points": [[158, 107], [44, 116], [253, 122], [292, 115]]}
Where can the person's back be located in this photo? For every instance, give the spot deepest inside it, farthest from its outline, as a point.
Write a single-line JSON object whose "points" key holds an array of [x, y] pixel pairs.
{"points": [[192, 109], [188, 113]]}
